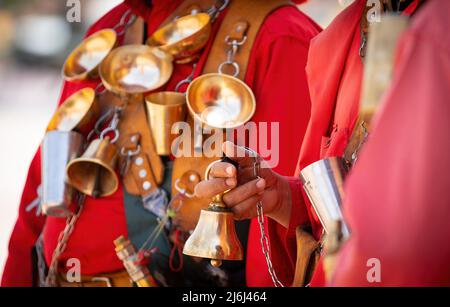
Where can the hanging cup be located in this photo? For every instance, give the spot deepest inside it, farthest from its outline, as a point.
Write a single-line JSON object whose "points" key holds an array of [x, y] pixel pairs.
{"points": [[84, 60], [184, 37], [220, 101], [58, 149], [164, 109], [78, 112]]}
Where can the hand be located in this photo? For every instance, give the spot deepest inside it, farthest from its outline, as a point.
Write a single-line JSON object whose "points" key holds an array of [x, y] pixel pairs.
{"points": [[271, 188]]}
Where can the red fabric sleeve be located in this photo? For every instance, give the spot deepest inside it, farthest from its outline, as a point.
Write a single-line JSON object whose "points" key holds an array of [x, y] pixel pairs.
{"points": [[398, 199], [283, 240], [276, 73], [18, 268]]}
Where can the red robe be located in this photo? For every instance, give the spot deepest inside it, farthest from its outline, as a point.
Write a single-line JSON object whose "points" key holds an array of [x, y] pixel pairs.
{"points": [[334, 72], [275, 74], [406, 164]]}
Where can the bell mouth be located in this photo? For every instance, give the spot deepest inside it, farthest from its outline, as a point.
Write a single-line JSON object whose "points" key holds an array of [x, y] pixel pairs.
{"points": [[183, 37], [135, 69], [83, 173], [85, 58], [75, 112], [220, 101]]}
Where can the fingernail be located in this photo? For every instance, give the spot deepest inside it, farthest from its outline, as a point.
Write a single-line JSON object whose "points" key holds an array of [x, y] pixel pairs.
{"points": [[261, 184], [230, 182], [230, 170]]}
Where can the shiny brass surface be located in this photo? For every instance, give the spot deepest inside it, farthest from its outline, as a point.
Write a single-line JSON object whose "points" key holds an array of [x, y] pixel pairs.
{"points": [[83, 61], [134, 69], [76, 113], [163, 110], [323, 182], [184, 37], [214, 237], [220, 101], [94, 172]]}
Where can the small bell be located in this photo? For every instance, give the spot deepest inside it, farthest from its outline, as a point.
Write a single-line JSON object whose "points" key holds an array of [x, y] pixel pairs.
{"points": [[94, 172], [215, 235]]}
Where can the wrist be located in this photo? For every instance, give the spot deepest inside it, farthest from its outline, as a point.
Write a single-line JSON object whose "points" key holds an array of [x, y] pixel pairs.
{"points": [[282, 210]]}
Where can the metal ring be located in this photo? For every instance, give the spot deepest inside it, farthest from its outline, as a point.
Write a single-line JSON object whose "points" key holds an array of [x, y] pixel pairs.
{"points": [[224, 5], [233, 64], [235, 42], [182, 191], [108, 130], [130, 153], [181, 83]]}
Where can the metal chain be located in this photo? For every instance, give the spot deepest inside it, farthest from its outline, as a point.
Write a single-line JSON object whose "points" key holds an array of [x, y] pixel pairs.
{"points": [[125, 22], [187, 80], [265, 244], [63, 239], [216, 9], [231, 54]]}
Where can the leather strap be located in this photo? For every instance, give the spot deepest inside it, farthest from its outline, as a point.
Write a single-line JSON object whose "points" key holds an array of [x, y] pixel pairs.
{"points": [[117, 279], [244, 17], [146, 169], [308, 254], [251, 12]]}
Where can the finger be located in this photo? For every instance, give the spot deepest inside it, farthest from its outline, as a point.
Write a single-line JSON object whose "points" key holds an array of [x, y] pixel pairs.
{"points": [[243, 192], [237, 153], [212, 187], [247, 208], [223, 170]]}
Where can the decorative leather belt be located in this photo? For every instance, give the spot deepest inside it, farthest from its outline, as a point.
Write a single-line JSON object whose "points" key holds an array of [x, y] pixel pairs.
{"points": [[117, 279]]}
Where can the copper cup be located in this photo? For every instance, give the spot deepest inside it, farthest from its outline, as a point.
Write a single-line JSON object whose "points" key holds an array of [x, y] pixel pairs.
{"points": [[164, 109], [76, 113], [184, 37], [220, 101], [84, 60]]}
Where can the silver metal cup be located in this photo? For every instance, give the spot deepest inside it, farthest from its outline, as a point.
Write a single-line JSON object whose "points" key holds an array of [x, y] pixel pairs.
{"points": [[58, 148], [323, 182]]}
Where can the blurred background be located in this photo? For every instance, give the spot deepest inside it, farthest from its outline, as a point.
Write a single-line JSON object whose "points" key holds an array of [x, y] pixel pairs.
{"points": [[35, 38]]}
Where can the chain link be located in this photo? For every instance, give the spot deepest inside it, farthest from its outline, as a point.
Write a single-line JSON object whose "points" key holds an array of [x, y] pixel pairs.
{"points": [[265, 244], [63, 239], [231, 54], [125, 22], [216, 9]]}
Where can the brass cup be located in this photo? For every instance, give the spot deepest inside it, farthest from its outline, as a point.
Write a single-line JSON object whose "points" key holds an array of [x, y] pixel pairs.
{"points": [[164, 109], [94, 172], [184, 37], [220, 101], [135, 69], [82, 63], [76, 113]]}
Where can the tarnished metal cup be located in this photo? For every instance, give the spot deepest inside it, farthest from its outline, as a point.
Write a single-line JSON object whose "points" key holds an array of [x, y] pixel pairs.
{"points": [[58, 149], [164, 109], [323, 182]]}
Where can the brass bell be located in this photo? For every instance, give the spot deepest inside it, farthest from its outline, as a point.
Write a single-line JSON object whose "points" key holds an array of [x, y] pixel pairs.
{"points": [[215, 236], [94, 172]]}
